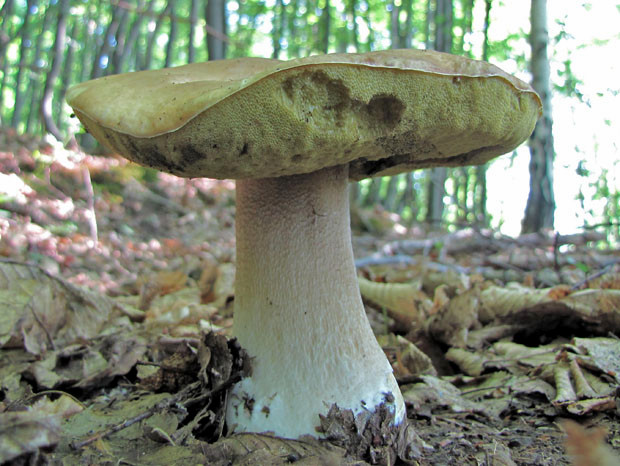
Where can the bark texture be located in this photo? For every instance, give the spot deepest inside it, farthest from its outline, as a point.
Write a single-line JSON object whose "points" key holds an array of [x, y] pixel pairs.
{"points": [[540, 206]]}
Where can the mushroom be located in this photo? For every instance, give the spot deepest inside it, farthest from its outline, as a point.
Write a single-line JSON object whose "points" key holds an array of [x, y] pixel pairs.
{"points": [[293, 133]]}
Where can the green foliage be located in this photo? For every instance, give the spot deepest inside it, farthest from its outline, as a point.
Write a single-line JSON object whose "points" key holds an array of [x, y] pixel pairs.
{"points": [[131, 35]]}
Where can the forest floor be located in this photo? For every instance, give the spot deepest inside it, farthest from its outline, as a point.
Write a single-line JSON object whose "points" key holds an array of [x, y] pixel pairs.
{"points": [[116, 296]]}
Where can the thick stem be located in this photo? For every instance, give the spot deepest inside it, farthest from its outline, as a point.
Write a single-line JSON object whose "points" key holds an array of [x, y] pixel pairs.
{"points": [[298, 310]]}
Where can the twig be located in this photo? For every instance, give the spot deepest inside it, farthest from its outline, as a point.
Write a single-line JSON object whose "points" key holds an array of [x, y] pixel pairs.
{"points": [[164, 404], [594, 276], [131, 421]]}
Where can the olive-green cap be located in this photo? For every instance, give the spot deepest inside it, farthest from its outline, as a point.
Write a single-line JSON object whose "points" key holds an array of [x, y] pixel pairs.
{"points": [[382, 113]]}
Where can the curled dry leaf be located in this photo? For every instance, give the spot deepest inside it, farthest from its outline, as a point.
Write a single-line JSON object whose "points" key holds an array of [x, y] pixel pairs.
{"points": [[406, 358], [405, 303], [569, 375], [159, 284], [453, 321], [596, 309]]}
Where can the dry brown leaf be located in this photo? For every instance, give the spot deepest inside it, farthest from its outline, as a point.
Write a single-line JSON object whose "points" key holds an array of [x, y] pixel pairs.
{"points": [[40, 312], [404, 303], [249, 449], [159, 284], [38, 427], [206, 283], [453, 321], [406, 358], [497, 302], [588, 447], [558, 292]]}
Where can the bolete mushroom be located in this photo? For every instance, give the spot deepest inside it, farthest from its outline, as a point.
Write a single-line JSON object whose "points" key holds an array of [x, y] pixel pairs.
{"points": [[293, 133]]}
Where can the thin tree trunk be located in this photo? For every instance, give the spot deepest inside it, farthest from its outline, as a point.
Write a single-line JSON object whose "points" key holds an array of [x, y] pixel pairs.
{"points": [[88, 41], [172, 35], [539, 211], [370, 44], [216, 19], [121, 43], [438, 176], [354, 29], [5, 12], [292, 20], [23, 59], [52, 76], [277, 28], [36, 77], [480, 189], [134, 32], [430, 20], [326, 29], [193, 21], [104, 50], [152, 38], [408, 197], [374, 192], [395, 25], [406, 37]]}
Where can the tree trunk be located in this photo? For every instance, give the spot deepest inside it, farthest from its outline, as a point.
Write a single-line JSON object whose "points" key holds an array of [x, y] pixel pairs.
{"points": [[216, 19], [277, 30], [406, 36], [395, 25], [540, 203], [442, 43], [152, 38], [23, 60], [326, 27], [52, 76], [108, 38], [193, 21], [37, 75], [134, 32], [352, 7], [5, 12], [480, 188], [121, 43], [172, 36]]}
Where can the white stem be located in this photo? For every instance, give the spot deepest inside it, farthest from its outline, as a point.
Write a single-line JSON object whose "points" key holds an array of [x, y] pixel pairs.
{"points": [[298, 310]]}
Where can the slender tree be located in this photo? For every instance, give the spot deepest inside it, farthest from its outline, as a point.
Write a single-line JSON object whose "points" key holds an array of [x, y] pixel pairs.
{"points": [[151, 39], [437, 176], [103, 53], [277, 31], [23, 63], [193, 21], [172, 35], [37, 75], [325, 27], [540, 203], [216, 20], [54, 72], [134, 31]]}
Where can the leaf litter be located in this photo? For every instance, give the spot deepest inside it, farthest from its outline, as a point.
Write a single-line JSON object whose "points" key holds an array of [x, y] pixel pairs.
{"points": [[116, 347]]}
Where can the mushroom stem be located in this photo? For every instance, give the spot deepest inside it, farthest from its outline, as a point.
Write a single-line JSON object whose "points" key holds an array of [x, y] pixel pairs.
{"points": [[298, 310]]}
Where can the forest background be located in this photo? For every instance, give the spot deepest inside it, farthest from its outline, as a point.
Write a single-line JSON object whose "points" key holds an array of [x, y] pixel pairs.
{"points": [[564, 48]]}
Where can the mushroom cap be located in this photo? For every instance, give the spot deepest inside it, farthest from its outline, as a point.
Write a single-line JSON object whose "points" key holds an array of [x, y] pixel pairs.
{"points": [[382, 113]]}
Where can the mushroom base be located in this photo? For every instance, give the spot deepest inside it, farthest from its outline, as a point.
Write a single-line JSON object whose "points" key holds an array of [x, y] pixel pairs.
{"points": [[298, 310]]}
